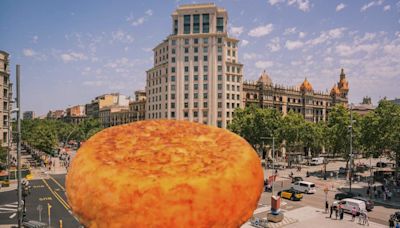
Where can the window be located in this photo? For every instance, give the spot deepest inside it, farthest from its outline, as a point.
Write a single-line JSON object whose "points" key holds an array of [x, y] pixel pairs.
{"points": [[195, 40], [233, 53], [195, 95], [186, 96], [186, 78], [219, 77], [227, 114], [173, 59], [219, 95], [205, 105], [205, 58], [172, 96], [172, 78], [205, 69], [219, 40], [196, 49], [196, 23], [205, 77], [175, 27], [186, 41], [228, 87], [219, 58], [186, 58], [219, 68], [229, 52], [173, 42], [206, 23], [173, 114], [205, 50], [219, 86], [237, 97], [173, 69], [220, 24], [186, 69], [196, 58], [227, 105], [205, 86], [173, 50], [172, 105], [195, 114], [186, 24], [195, 77], [205, 40], [195, 105], [205, 114], [219, 123], [196, 68], [219, 49], [186, 87], [186, 105], [219, 104], [186, 114], [186, 50], [195, 86], [227, 96], [219, 114], [228, 78], [205, 95]]}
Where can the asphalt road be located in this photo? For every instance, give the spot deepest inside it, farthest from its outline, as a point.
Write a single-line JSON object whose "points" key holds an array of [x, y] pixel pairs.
{"points": [[44, 192]]}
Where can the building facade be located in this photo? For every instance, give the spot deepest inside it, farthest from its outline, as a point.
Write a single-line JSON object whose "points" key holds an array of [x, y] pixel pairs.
{"points": [[364, 107], [196, 74], [105, 100], [137, 108], [313, 105], [5, 96], [75, 114], [28, 115], [114, 115], [57, 114]]}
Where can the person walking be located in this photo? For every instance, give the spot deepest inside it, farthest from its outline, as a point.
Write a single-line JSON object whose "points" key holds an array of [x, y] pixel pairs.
{"points": [[331, 211], [389, 195], [341, 212], [326, 207], [353, 213], [336, 212], [366, 219]]}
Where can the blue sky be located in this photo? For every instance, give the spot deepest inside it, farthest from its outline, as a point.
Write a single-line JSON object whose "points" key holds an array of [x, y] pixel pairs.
{"points": [[72, 51]]}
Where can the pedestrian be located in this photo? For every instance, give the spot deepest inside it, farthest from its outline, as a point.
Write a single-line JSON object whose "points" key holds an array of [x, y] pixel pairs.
{"points": [[341, 212], [326, 207], [384, 196], [374, 188], [331, 211], [366, 219], [336, 212], [368, 190], [353, 213]]}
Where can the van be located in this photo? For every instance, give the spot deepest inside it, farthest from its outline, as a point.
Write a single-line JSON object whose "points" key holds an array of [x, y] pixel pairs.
{"points": [[348, 204], [304, 186], [317, 161]]}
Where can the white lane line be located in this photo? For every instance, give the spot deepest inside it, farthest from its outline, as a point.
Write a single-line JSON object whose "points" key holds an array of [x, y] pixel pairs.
{"points": [[7, 209], [13, 215], [10, 205]]}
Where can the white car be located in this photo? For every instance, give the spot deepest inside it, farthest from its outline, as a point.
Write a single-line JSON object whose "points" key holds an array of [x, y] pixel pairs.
{"points": [[349, 203], [304, 186]]}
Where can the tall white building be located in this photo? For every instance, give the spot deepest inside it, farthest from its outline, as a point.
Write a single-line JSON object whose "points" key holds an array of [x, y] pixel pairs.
{"points": [[196, 74]]}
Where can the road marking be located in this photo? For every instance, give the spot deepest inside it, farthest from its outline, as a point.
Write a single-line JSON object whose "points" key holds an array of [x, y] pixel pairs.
{"points": [[58, 197], [45, 198], [8, 208], [13, 215], [38, 186], [55, 181], [11, 205]]}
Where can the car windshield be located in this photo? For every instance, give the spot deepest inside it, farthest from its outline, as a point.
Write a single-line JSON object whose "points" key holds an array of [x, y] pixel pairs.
{"points": [[312, 185]]}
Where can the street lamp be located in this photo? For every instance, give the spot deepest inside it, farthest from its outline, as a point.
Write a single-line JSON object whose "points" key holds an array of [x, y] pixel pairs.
{"points": [[273, 158], [351, 144]]}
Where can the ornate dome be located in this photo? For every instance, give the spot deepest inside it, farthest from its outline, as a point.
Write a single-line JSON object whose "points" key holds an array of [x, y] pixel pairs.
{"points": [[335, 91], [265, 79], [306, 86]]}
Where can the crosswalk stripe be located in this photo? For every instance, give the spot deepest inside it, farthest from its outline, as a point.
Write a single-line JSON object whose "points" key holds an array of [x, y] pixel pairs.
{"points": [[7, 209], [11, 205]]}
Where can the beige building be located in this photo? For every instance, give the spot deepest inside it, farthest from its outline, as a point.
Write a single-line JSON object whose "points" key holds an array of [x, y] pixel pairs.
{"points": [[196, 74], [57, 114], [5, 96], [313, 105], [364, 107], [75, 114], [114, 115], [105, 100], [137, 108]]}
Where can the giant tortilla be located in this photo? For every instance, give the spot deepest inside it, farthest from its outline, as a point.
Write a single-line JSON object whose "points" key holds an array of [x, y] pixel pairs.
{"points": [[164, 173]]}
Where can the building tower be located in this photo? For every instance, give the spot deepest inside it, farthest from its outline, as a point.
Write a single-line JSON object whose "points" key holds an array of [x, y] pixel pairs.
{"points": [[196, 74], [308, 93], [5, 96], [343, 85]]}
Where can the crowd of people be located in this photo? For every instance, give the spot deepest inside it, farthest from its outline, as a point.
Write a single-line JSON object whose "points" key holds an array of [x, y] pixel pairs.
{"points": [[338, 211]]}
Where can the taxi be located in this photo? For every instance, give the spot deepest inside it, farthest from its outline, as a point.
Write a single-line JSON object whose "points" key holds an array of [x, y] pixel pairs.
{"points": [[291, 194]]}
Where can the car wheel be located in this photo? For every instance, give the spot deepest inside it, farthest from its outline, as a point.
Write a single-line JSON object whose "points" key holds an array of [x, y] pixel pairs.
{"points": [[306, 191], [292, 198]]}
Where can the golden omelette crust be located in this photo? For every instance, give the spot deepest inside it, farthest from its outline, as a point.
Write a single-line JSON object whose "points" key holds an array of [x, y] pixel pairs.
{"points": [[164, 173]]}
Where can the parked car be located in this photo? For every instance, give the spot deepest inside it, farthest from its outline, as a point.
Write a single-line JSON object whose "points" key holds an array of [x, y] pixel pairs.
{"points": [[295, 179], [348, 204], [291, 194], [344, 195], [368, 203], [381, 164], [317, 161], [304, 186]]}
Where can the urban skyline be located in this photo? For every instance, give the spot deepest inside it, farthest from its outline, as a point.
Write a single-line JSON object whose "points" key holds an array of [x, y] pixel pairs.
{"points": [[66, 62]]}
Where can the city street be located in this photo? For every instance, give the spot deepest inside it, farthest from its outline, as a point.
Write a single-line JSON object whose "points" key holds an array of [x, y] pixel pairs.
{"points": [[44, 191]]}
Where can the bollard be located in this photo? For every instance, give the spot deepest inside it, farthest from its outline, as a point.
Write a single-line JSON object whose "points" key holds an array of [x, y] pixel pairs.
{"points": [[60, 223]]}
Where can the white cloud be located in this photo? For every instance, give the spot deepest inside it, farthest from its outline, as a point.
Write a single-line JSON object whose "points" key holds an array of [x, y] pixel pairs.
{"points": [[29, 52], [138, 21], [289, 31], [244, 43], [251, 56], [236, 31], [149, 12], [348, 50], [303, 5], [386, 8], [292, 45], [121, 36], [73, 56], [94, 83], [302, 34], [370, 4], [274, 45], [327, 35], [261, 30], [263, 64], [340, 7], [273, 2], [35, 39], [367, 37]]}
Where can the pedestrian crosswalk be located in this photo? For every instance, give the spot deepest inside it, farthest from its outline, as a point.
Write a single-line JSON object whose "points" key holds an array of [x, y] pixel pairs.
{"points": [[9, 208]]}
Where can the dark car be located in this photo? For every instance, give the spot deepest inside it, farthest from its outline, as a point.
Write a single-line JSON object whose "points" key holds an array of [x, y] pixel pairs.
{"points": [[295, 179], [381, 164], [344, 195], [369, 205], [291, 194]]}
